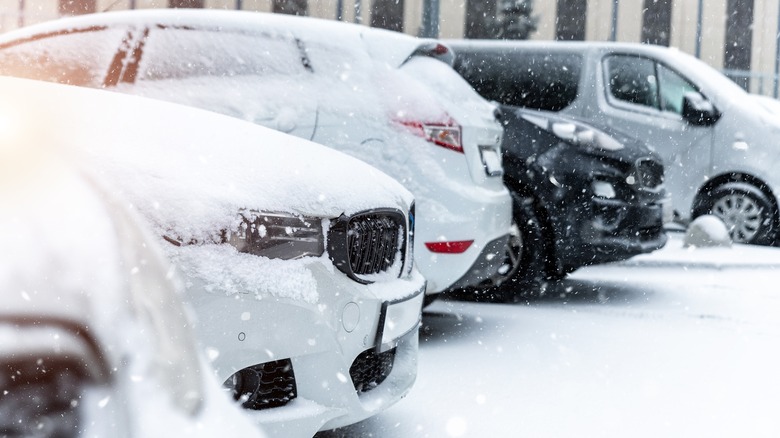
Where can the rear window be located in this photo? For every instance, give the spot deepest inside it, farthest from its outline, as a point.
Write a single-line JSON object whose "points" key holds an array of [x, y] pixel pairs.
{"points": [[79, 57], [443, 81], [178, 53], [542, 81]]}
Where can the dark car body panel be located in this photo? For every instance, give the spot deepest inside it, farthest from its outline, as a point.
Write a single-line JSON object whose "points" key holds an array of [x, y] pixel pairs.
{"points": [[559, 172], [585, 228]]}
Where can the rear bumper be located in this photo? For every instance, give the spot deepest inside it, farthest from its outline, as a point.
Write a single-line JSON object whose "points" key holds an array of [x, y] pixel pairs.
{"points": [[474, 213], [487, 264]]}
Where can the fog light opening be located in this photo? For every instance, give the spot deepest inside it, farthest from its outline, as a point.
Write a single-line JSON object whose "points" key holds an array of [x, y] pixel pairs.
{"points": [[263, 386]]}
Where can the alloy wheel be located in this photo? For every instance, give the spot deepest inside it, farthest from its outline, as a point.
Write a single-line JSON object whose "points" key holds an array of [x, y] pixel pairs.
{"points": [[513, 255], [741, 214]]}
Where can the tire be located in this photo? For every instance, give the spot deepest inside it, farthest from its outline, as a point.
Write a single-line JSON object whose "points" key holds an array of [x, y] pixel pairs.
{"points": [[747, 212], [528, 248], [512, 256], [429, 299]]}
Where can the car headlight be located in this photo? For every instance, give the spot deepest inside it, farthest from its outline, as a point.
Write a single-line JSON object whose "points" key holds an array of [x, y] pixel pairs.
{"points": [[278, 235]]}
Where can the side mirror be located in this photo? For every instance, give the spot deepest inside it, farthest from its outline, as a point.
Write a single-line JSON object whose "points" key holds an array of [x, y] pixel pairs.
{"points": [[699, 111]]}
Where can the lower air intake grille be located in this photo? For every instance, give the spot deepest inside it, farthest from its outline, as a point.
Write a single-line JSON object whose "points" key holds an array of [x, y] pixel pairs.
{"points": [[263, 386], [371, 368]]}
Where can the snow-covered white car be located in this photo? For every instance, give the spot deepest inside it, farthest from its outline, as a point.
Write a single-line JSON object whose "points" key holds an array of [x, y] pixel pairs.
{"points": [[380, 96], [295, 256], [95, 339]]}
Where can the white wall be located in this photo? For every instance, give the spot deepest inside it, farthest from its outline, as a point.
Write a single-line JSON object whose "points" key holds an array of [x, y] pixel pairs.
{"points": [[452, 14], [546, 11]]}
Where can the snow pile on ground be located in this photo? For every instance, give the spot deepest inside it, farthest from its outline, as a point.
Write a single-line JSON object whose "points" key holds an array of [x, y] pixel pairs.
{"points": [[707, 231], [675, 254]]}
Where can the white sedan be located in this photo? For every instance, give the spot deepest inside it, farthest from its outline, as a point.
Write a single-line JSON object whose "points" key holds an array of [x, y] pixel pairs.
{"points": [[295, 256], [388, 99]]}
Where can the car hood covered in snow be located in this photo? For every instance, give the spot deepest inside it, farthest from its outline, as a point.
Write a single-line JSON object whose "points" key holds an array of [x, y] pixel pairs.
{"points": [[89, 298], [214, 167]]}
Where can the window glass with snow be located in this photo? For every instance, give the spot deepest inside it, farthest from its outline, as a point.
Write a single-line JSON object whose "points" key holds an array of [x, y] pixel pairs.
{"points": [[546, 81], [79, 57], [178, 53], [672, 88], [632, 79], [253, 76]]}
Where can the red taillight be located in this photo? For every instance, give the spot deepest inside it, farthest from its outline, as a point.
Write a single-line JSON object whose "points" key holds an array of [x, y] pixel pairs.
{"points": [[446, 135], [440, 49], [456, 247]]}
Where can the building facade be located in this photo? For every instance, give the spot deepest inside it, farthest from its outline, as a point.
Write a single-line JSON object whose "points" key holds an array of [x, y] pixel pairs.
{"points": [[736, 36]]}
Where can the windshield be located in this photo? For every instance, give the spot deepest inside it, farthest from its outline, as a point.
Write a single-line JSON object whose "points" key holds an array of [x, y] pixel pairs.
{"points": [[80, 57], [713, 79]]}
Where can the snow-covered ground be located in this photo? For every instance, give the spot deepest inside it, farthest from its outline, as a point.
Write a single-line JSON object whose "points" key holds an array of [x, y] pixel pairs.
{"points": [[680, 343]]}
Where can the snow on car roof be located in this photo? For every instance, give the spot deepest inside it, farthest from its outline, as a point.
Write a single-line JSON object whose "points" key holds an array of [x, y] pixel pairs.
{"points": [[391, 47], [213, 167], [345, 81]]}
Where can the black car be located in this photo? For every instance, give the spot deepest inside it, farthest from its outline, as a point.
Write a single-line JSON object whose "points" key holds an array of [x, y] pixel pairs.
{"points": [[582, 195]]}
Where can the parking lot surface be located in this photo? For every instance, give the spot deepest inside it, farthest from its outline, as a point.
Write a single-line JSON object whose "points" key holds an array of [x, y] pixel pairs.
{"points": [[679, 343]]}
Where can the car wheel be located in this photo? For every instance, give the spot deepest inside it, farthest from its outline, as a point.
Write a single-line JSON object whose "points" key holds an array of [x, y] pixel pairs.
{"points": [[525, 273], [747, 212], [512, 256]]}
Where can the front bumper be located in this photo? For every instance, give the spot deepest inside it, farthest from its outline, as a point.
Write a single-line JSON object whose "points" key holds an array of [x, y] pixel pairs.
{"points": [[328, 399], [322, 339]]}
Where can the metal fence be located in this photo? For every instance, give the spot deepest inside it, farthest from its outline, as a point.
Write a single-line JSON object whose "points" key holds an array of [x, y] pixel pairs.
{"points": [[11, 19], [755, 82]]}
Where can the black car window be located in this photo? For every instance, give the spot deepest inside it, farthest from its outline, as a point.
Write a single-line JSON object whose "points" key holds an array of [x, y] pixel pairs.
{"points": [[632, 79], [78, 57], [177, 53], [546, 81], [672, 89]]}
